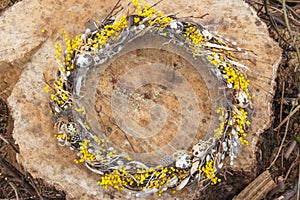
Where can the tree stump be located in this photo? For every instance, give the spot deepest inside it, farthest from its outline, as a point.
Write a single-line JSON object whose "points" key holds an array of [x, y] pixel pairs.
{"points": [[31, 51]]}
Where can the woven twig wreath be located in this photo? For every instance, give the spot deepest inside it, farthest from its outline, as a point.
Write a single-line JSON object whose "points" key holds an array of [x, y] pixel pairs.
{"points": [[85, 53]]}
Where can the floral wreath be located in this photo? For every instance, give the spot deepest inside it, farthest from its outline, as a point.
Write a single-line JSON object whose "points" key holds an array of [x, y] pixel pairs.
{"points": [[117, 169]]}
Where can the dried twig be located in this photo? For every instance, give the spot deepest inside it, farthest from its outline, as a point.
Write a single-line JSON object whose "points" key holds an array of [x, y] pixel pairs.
{"points": [[156, 3], [294, 13], [4, 140], [272, 22], [290, 149], [109, 15], [294, 164], [281, 101], [19, 176], [15, 189], [10, 144], [32, 183], [287, 118], [282, 141], [294, 40]]}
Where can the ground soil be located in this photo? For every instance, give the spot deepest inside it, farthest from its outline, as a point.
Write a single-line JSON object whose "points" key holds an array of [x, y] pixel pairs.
{"points": [[16, 183]]}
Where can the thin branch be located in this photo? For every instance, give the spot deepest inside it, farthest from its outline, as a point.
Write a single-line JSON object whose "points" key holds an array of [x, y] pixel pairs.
{"points": [[10, 144], [156, 3], [281, 102], [16, 174], [286, 19], [290, 149], [4, 140], [108, 16], [282, 142], [294, 164], [32, 183], [287, 118], [290, 9], [273, 24], [15, 189]]}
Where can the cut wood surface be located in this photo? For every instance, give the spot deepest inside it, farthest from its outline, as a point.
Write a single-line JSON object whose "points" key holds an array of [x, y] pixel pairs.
{"points": [[258, 188], [31, 52]]}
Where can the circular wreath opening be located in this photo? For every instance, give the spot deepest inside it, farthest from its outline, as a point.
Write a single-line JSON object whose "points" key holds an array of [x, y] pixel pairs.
{"points": [[80, 115], [150, 101]]}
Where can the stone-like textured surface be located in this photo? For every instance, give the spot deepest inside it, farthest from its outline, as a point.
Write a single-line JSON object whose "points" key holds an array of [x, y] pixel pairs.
{"points": [[23, 45], [162, 111]]}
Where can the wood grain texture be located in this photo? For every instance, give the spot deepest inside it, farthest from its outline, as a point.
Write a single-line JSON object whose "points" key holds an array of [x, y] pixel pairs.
{"points": [[258, 188]]}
